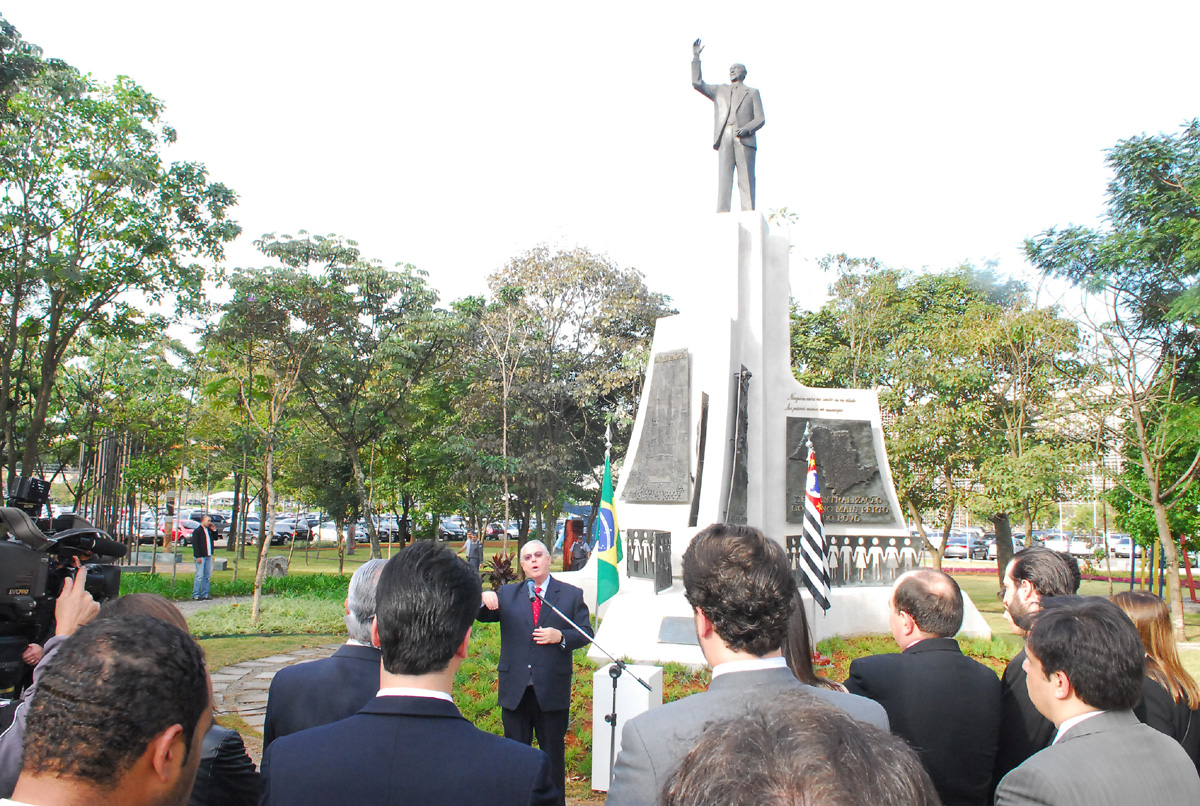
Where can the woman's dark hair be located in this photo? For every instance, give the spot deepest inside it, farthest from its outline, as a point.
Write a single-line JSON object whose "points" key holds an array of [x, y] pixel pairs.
{"points": [[798, 648]]}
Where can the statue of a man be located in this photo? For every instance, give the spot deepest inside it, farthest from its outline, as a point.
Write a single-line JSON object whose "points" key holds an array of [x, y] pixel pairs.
{"points": [[738, 114]]}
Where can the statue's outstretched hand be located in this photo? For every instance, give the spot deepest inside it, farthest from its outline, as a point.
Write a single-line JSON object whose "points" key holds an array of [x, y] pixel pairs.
{"points": [[696, 48]]}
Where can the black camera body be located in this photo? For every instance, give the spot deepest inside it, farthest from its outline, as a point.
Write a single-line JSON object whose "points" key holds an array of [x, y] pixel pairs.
{"points": [[36, 556]]}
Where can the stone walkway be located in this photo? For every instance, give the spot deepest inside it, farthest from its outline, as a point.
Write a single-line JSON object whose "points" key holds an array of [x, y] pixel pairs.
{"points": [[242, 688]]}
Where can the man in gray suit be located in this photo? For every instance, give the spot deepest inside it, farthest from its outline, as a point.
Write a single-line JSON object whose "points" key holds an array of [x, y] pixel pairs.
{"points": [[741, 591], [1084, 664], [737, 115]]}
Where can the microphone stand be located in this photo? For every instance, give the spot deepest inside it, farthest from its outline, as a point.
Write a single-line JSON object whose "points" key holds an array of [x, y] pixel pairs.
{"points": [[615, 670]]}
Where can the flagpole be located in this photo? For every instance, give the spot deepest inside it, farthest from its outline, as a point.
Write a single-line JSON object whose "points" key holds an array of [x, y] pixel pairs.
{"points": [[812, 638]]}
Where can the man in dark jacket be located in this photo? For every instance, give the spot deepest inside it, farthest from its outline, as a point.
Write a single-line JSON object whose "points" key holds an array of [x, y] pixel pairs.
{"points": [[204, 538], [410, 744], [946, 705], [535, 655], [323, 691], [1034, 574]]}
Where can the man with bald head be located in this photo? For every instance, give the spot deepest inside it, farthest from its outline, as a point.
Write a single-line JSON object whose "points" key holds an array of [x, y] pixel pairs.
{"points": [[946, 705], [535, 655]]}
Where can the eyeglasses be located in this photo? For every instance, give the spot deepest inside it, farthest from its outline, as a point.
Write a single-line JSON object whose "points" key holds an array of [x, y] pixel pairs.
{"points": [[536, 555]]}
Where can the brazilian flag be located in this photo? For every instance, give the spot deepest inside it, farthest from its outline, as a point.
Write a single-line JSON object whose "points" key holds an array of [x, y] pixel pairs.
{"points": [[608, 542]]}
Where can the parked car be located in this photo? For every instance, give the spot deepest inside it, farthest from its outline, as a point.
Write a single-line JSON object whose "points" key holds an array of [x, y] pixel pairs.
{"points": [[181, 532], [219, 521], [150, 532], [994, 551], [964, 546], [1080, 547], [451, 530], [285, 531], [1123, 546]]}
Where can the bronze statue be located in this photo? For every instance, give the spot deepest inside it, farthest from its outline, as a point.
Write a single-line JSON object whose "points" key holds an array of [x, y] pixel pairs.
{"points": [[738, 114]]}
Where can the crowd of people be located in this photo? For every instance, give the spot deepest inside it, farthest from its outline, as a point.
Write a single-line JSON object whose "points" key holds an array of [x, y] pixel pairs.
{"points": [[1096, 709]]}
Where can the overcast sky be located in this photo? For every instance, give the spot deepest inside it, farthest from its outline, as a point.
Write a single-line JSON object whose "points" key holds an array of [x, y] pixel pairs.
{"points": [[456, 135]]}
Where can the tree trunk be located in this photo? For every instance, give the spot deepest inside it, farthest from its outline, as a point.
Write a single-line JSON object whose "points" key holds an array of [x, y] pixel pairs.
{"points": [[360, 486], [267, 522], [1004, 546], [1170, 558]]}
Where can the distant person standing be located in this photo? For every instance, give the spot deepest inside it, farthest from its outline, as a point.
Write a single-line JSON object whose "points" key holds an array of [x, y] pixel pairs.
{"points": [[579, 554], [474, 549], [204, 538]]}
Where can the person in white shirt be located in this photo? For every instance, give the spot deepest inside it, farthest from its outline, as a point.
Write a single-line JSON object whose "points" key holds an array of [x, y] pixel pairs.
{"points": [[742, 591]]}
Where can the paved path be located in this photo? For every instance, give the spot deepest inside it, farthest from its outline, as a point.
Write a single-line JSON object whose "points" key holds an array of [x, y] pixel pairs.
{"points": [[242, 687]]}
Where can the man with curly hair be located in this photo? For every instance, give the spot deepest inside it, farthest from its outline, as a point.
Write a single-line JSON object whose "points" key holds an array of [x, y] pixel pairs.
{"points": [[741, 590], [119, 717]]}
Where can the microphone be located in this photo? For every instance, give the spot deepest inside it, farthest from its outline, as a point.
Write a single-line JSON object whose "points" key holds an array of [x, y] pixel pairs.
{"points": [[529, 585], [96, 545]]}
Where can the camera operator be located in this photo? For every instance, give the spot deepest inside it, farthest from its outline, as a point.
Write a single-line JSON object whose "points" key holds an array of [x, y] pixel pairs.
{"points": [[74, 608]]}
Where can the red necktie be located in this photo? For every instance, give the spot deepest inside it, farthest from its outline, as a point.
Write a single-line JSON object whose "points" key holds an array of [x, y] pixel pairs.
{"points": [[537, 606]]}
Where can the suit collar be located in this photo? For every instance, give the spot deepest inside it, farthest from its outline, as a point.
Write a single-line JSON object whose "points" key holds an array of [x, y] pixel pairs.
{"points": [[933, 645], [368, 653], [735, 680], [412, 706], [1100, 723]]}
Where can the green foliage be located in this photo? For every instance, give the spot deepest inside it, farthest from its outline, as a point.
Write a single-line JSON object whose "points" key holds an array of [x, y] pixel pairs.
{"points": [[1143, 267], [329, 587], [92, 218], [966, 367]]}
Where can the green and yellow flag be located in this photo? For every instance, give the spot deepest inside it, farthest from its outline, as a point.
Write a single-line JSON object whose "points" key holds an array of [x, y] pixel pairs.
{"points": [[608, 541]]}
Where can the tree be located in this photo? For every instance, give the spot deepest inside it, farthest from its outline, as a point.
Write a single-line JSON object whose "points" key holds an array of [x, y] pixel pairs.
{"points": [[939, 347], [90, 212], [1141, 269], [383, 334], [565, 341], [263, 341], [1031, 354]]}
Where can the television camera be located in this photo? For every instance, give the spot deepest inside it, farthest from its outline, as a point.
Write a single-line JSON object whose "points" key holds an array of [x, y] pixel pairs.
{"points": [[36, 554]]}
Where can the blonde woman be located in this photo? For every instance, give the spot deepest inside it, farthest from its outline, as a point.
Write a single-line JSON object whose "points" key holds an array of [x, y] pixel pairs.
{"points": [[1170, 695]]}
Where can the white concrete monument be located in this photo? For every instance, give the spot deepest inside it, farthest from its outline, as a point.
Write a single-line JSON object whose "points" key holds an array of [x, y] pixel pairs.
{"points": [[719, 438]]}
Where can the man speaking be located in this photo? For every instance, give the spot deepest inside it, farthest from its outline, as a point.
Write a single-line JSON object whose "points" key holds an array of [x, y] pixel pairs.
{"points": [[535, 655]]}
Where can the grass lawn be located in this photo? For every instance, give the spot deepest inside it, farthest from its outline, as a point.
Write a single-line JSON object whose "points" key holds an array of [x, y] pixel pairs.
{"points": [[228, 650]]}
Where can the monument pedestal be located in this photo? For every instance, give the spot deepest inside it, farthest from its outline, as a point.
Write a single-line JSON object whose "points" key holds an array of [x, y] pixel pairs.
{"points": [[719, 438], [632, 699]]}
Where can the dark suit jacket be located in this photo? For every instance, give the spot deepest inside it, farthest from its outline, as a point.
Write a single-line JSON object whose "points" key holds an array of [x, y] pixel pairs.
{"points": [[1108, 760], [321, 691], [226, 775], [404, 750], [1023, 729], [745, 106], [946, 706], [653, 743], [1175, 719], [547, 666]]}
